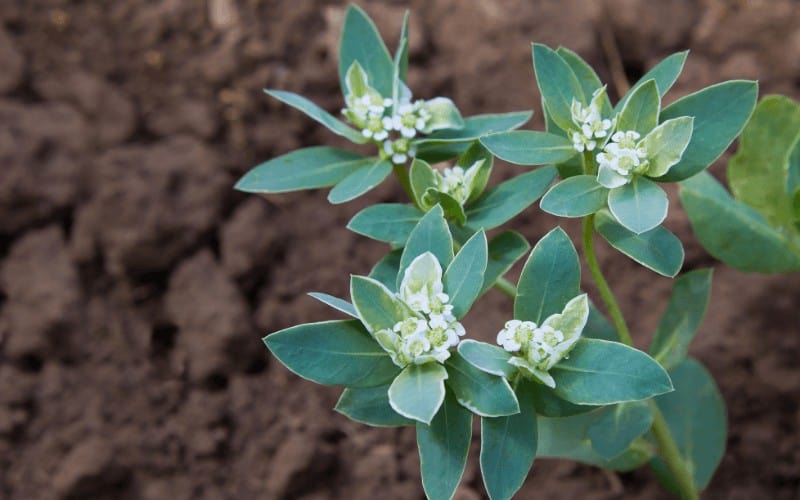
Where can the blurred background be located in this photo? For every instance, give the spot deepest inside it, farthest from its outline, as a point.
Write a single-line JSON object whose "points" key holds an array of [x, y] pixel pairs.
{"points": [[135, 284]]}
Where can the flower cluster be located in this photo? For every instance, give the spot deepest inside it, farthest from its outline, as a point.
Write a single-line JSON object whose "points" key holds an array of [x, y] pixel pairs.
{"points": [[537, 349], [621, 158], [459, 182], [592, 127], [431, 329]]}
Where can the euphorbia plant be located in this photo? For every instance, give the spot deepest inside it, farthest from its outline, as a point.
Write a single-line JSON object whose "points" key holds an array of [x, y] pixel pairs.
{"points": [[558, 380]]}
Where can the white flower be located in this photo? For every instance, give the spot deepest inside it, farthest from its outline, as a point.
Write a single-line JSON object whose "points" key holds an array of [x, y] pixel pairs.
{"points": [[399, 150], [589, 123], [538, 348], [458, 182], [620, 159]]}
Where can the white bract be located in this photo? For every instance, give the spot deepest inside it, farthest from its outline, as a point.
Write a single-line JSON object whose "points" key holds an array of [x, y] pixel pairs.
{"points": [[592, 127], [620, 159], [433, 330], [537, 348], [458, 182]]}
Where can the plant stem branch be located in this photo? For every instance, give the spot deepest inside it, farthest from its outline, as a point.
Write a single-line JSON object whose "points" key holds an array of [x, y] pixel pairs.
{"points": [[602, 285], [672, 456], [506, 287], [667, 447], [402, 175]]}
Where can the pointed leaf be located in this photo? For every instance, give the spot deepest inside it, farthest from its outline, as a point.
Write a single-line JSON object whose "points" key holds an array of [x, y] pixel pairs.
{"points": [[551, 278], [666, 144], [360, 41], [418, 392], [453, 210], [401, 54], [476, 153], [464, 276], [640, 205], [487, 357], [377, 306], [360, 181], [735, 233], [505, 249], [422, 177], [599, 372], [478, 126], [430, 235], [664, 73], [307, 168], [336, 303], [680, 321], [657, 249], [333, 353], [509, 198], [444, 115], [549, 404], [508, 447], [720, 113], [695, 414], [586, 76], [318, 114], [443, 448], [757, 173], [640, 112], [389, 222], [370, 406], [618, 426], [558, 85], [483, 394], [528, 147], [577, 196]]}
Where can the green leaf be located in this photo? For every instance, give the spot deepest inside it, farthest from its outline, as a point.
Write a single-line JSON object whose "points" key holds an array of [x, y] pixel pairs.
{"points": [[422, 177], [476, 153], [443, 448], [758, 172], [389, 222], [680, 321], [735, 233], [370, 406], [360, 41], [550, 278], [504, 250], [720, 112], [400, 62], [666, 144], [430, 235], [418, 392], [482, 393], [597, 326], [695, 414], [639, 205], [508, 447], [463, 278], [451, 207], [528, 147], [657, 249], [568, 438], [557, 84], [586, 76], [549, 404], [333, 353], [487, 357], [478, 126], [386, 270], [599, 372], [318, 114], [618, 426], [444, 115], [336, 303], [664, 73], [793, 184], [640, 112], [504, 201], [360, 181], [376, 305], [577, 196], [308, 168]]}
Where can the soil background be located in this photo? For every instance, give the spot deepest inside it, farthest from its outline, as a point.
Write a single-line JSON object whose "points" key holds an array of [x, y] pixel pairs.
{"points": [[135, 284]]}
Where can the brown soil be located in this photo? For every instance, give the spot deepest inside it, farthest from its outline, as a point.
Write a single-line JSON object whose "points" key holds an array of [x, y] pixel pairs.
{"points": [[135, 284]]}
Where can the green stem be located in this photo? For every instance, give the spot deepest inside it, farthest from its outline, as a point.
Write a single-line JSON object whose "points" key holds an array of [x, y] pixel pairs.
{"points": [[602, 285], [668, 448], [401, 173], [506, 287], [589, 165]]}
